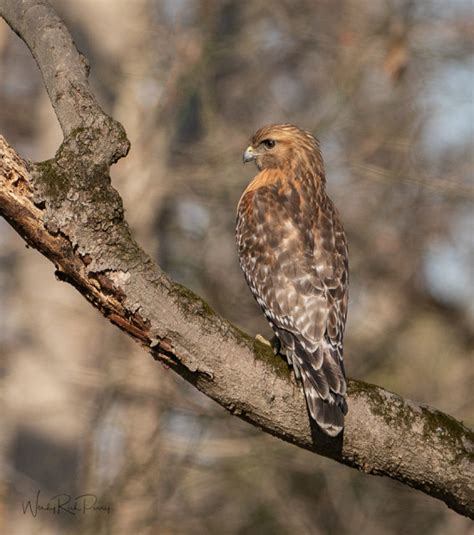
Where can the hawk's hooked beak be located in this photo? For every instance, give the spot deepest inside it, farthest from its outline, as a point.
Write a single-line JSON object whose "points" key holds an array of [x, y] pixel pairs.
{"points": [[249, 155]]}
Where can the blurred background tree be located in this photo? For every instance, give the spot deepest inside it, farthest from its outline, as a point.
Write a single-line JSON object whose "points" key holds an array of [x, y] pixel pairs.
{"points": [[387, 88]]}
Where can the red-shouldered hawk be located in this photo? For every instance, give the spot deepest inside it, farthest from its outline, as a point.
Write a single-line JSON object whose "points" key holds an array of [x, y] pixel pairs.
{"points": [[293, 252]]}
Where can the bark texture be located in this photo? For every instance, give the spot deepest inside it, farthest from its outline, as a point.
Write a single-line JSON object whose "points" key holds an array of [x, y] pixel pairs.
{"points": [[67, 209]]}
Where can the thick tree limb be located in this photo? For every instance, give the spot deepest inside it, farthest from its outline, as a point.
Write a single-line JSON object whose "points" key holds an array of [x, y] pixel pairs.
{"points": [[67, 209]]}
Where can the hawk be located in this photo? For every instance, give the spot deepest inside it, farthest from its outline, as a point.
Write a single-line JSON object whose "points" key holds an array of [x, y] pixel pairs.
{"points": [[293, 252]]}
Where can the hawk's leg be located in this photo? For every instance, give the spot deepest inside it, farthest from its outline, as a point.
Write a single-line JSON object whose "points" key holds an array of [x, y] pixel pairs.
{"points": [[275, 344]]}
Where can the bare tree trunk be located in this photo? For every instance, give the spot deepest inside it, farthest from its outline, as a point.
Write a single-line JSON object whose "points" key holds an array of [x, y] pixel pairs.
{"points": [[66, 209]]}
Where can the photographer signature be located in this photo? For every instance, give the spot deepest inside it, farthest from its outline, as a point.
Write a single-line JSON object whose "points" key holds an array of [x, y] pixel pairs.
{"points": [[65, 504]]}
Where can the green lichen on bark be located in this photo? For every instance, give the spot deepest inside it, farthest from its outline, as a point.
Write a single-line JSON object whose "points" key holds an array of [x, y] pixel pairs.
{"points": [[49, 181], [446, 428], [262, 352], [190, 303], [76, 175], [402, 414], [52, 178], [392, 408], [265, 354]]}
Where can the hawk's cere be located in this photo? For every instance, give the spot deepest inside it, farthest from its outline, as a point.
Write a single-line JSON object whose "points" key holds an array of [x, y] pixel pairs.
{"points": [[293, 251]]}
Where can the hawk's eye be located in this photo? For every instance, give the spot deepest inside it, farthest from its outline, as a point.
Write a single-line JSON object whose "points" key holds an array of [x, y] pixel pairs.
{"points": [[268, 143]]}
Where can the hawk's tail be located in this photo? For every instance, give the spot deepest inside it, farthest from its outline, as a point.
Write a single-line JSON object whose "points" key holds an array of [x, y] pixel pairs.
{"points": [[329, 415], [324, 387]]}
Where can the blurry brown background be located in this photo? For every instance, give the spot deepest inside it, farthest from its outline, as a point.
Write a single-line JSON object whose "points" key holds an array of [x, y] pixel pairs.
{"points": [[387, 88]]}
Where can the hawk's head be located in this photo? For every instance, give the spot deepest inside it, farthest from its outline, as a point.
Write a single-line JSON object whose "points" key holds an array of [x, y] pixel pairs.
{"points": [[284, 146]]}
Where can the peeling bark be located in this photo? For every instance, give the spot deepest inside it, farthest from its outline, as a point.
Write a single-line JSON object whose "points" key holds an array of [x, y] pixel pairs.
{"points": [[67, 209]]}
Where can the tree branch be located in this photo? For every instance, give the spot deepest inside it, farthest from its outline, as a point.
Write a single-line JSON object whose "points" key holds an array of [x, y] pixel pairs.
{"points": [[66, 209], [65, 71]]}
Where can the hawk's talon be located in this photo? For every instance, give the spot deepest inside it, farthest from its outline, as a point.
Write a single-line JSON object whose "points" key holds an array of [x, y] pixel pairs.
{"points": [[263, 340], [274, 343]]}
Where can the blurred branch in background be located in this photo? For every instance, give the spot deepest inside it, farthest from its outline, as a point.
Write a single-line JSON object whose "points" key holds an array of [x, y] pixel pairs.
{"points": [[344, 69], [448, 188]]}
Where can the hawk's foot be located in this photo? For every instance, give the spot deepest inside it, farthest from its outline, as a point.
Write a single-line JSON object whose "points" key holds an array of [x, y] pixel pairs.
{"points": [[274, 343]]}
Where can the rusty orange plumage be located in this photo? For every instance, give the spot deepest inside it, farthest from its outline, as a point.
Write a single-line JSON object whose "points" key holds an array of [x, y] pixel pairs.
{"points": [[293, 251]]}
